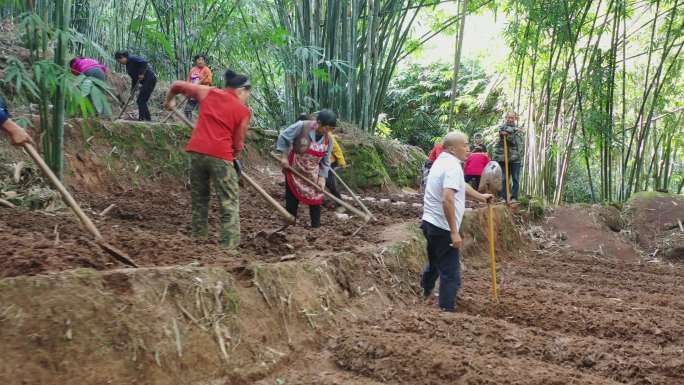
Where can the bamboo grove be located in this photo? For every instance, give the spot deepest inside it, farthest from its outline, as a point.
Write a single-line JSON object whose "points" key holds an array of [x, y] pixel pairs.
{"points": [[596, 82], [599, 85]]}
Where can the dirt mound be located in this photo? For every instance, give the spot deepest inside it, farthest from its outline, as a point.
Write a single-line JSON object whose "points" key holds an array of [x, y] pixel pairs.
{"points": [[653, 219], [589, 229]]}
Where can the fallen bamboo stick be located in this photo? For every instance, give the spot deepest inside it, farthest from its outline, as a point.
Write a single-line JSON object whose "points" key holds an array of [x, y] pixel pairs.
{"points": [[356, 198], [7, 203]]}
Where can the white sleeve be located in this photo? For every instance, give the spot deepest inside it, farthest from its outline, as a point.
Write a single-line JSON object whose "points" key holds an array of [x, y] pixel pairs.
{"points": [[453, 179]]}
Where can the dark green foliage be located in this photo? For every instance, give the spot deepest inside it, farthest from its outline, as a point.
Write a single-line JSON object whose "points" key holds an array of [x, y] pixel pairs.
{"points": [[417, 103]]}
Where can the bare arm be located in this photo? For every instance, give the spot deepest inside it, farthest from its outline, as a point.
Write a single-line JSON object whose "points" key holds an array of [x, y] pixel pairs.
{"points": [[239, 136], [188, 89], [18, 136], [472, 193], [450, 213]]}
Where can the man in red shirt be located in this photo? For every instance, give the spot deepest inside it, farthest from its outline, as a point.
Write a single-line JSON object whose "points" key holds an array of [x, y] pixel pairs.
{"points": [[217, 139]]}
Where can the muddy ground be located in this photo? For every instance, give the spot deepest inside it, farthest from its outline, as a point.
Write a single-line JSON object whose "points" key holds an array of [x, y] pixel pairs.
{"points": [[586, 308], [152, 225], [564, 316]]}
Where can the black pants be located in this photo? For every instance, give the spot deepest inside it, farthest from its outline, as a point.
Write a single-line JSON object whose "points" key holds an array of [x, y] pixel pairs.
{"points": [[292, 204], [443, 263], [190, 107], [473, 181], [514, 172], [146, 88]]}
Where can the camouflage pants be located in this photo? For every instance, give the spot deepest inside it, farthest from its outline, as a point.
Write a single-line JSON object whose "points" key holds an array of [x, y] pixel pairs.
{"points": [[221, 173]]}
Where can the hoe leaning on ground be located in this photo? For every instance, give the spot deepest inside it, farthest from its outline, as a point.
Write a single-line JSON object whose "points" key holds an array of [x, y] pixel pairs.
{"points": [[87, 223]]}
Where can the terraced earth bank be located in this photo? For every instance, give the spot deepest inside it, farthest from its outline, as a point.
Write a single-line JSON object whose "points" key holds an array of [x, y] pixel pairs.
{"points": [[579, 303]]}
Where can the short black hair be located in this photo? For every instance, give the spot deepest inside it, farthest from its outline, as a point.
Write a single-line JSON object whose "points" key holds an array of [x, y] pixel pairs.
{"points": [[120, 54], [327, 117], [303, 116], [235, 80], [71, 62], [194, 58]]}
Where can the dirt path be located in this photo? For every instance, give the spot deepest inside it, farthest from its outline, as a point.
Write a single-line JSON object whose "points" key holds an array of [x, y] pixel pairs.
{"points": [[563, 318]]}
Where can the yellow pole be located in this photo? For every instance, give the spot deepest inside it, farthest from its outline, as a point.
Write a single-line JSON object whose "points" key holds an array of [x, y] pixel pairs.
{"points": [[490, 219], [508, 187]]}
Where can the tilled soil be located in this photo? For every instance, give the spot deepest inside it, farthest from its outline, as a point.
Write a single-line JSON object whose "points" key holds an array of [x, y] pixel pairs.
{"points": [[152, 226], [562, 318]]}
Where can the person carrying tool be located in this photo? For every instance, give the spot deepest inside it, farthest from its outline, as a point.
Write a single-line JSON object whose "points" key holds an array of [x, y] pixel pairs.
{"points": [[217, 139], [141, 73], [443, 208], [306, 146], [475, 163], [510, 133], [199, 74], [17, 135]]}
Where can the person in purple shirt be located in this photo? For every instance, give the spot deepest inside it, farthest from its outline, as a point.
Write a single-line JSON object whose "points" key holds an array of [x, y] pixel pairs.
{"points": [[88, 67], [91, 68]]}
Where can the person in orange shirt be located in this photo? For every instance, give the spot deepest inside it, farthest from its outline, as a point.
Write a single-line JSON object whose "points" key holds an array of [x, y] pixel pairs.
{"points": [[199, 74]]}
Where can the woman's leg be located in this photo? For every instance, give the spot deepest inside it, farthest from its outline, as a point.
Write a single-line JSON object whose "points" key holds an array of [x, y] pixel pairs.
{"points": [[315, 215], [291, 202]]}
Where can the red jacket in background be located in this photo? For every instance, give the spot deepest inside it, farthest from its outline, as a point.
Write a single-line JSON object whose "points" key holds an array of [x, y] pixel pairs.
{"points": [[434, 153], [475, 163]]}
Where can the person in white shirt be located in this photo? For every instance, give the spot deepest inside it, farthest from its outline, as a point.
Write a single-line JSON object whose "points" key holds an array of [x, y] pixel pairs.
{"points": [[443, 208]]}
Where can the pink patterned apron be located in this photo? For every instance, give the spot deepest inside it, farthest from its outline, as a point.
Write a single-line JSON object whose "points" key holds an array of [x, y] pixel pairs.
{"points": [[307, 163]]}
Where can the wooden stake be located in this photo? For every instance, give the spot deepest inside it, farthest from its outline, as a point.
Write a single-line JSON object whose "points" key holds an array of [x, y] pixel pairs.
{"points": [[356, 198], [177, 109], [492, 254]]}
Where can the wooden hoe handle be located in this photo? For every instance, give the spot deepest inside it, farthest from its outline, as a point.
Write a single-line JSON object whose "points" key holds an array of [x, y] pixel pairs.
{"points": [[87, 223], [280, 209], [315, 185]]}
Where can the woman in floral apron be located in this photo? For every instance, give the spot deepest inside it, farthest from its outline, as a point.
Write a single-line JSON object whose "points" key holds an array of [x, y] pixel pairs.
{"points": [[306, 146]]}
